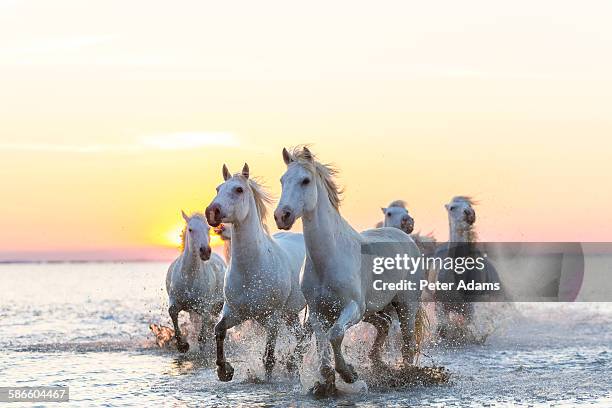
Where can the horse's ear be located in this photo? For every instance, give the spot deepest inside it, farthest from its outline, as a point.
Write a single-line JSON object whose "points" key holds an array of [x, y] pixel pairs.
{"points": [[245, 170], [307, 154], [226, 173], [384, 210], [185, 216], [287, 157]]}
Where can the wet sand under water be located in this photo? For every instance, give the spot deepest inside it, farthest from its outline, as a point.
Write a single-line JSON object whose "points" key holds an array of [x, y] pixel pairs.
{"points": [[86, 326]]}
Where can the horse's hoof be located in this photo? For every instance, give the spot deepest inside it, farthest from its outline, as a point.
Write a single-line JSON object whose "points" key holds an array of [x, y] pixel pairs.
{"points": [[348, 375], [225, 371], [182, 347], [323, 390]]}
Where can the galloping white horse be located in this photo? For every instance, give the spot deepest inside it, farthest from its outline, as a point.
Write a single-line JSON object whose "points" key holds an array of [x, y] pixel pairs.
{"points": [[195, 280], [262, 282], [462, 244], [397, 216], [338, 290]]}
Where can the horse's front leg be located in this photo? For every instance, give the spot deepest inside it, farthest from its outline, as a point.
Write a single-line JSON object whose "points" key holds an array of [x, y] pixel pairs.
{"points": [[301, 333], [349, 316], [443, 327], [208, 324], [225, 371], [181, 345], [271, 324], [328, 387], [406, 313], [381, 322]]}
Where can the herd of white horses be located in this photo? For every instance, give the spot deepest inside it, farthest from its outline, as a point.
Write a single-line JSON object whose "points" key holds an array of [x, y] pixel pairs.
{"points": [[272, 278]]}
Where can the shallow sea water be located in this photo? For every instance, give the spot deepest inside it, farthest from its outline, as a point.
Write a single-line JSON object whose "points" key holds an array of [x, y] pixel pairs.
{"points": [[86, 326]]}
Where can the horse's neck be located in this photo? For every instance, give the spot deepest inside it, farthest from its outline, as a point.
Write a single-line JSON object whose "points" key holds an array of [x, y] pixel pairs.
{"points": [[247, 237], [323, 226], [462, 234], [191, 263]]}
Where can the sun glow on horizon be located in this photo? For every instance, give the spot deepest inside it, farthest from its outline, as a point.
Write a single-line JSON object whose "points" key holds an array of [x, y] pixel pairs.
{"points": [[173, 236]]}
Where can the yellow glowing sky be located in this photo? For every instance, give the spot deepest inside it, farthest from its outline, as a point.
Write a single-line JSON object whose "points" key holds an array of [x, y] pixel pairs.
{"points": [[115, 115]]}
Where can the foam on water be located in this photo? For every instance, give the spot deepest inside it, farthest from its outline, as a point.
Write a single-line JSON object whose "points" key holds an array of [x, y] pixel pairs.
{"points": [[86, 326]]}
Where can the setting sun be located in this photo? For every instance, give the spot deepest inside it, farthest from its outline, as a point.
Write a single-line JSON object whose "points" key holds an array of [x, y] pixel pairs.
{"points": [[173, 236]]}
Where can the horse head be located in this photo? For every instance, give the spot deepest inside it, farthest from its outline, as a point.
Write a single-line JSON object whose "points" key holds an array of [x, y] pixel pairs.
{"points": [[196, 235]]}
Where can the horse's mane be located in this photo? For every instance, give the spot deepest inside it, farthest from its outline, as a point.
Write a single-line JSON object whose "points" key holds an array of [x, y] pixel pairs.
{"points": [[262, 199], [398, 203], [197, 215], [326, 172], [466, 199]]}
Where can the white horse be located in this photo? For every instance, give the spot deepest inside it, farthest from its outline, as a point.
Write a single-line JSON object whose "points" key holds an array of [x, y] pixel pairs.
{"points": [[262, 282], [462, 244], [338, 290], [195, 280], [397, 216]]}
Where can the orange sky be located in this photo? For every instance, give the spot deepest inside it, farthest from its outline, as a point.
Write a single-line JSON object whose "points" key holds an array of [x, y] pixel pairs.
{"points": [[113, 119]]}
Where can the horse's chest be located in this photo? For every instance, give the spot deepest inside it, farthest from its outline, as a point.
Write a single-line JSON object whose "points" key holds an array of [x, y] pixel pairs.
{"points": [[253, 296]]}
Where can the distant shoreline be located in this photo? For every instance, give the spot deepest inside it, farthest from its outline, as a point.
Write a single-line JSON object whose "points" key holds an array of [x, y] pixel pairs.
{"points": [[116, 261]]}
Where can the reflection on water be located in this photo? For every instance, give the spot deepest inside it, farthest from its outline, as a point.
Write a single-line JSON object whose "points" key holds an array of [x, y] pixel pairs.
{"points": [[86, 326]]}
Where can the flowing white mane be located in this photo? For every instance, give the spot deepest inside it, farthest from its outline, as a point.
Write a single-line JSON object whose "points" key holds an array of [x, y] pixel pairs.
{"points": [[398, 203], [464, 199], [325, 172], [262, 198]]}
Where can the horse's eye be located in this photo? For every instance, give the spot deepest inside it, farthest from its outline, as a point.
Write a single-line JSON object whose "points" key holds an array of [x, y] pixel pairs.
{"points": [[452, 208], [388, 214], [239, 190], [305, 181], [190, 230]]}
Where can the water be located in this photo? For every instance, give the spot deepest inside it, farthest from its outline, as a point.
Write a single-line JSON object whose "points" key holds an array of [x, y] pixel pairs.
{"points": [[86, 326]]}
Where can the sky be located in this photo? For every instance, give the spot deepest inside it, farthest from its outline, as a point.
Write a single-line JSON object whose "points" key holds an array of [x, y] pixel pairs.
{"points": [[117, 115]]}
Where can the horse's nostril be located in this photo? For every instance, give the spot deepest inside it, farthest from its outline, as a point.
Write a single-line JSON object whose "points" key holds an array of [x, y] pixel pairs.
{"points": [[205, 252]]}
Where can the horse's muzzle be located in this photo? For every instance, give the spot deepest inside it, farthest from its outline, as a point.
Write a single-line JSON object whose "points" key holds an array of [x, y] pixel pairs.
{"points": [[284, 218], [407, 224], [213, 215], [205, 253]]}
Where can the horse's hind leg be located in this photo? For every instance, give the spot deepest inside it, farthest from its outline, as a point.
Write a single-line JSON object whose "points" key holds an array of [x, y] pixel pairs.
{"points": [[350, 315], [181, 344], [382, 322], [406, 313], [225, 371], [301, 334]]}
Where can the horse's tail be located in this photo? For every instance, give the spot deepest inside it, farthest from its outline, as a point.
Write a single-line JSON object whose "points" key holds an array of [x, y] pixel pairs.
{"points": [[421, 329]]}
